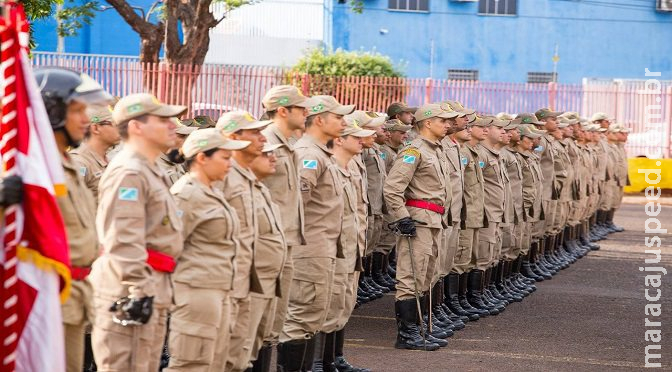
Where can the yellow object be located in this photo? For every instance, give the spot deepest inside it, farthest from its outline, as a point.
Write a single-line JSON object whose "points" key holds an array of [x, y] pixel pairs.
{"points": [[637, 180]]}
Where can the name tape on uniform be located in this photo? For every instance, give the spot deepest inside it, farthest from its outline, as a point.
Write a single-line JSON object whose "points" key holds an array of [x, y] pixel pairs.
{"points": [[128, 194], [310, 164]]}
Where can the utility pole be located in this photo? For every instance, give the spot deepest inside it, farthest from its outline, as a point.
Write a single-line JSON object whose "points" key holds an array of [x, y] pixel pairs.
{"points": [[556, 59]]}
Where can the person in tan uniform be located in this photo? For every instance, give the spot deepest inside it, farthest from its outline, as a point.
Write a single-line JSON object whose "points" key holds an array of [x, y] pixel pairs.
{"points": [[485, 256], [314, 261], [91, 156], [604, 173], [416, 194], [373, 168], [141, 233], [242, 194], [67, 93], [532, 179], [270, 255], [171, 161], [287, 108], [344, 290], [203, 279]]}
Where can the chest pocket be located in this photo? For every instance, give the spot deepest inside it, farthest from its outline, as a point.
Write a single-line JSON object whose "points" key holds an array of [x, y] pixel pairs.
{"points": [[241, 201], [163, 207], [490, 170], [470, 174], [283, 171], [335, 182], [216, 225]]}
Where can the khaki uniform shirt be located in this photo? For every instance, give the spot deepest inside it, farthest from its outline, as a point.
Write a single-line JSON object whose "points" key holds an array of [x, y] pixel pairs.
{"points": [[173, 171], [284, 186], [388, 153], [596, 176], [624, 163], [79, 214], [547, 160], [603, 171], [566, 178], [238, 188], [211, 230], [456, 171], [494, 188], [582, 173], [135, 212], [270, 249], [349, 240], [473, 188], [574, 171], [532, 180], [322, 196], [419, 172], [375, 174], [359, 182], [91, 167], [514, 174]]}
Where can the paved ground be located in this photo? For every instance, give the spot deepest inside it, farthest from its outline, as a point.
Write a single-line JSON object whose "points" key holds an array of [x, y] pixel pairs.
{"points": [[589, 317]]}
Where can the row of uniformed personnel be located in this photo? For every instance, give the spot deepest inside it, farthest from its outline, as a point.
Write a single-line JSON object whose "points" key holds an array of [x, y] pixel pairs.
{"points": [[263, 239]]}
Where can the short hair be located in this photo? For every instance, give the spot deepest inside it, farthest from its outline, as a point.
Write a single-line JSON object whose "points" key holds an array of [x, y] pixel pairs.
{"points": [[271, 114], [123, 126], [309, 119], [189, 162]]}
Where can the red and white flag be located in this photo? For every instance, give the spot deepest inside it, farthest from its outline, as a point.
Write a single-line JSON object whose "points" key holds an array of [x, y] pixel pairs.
{"points": [[35, 258]]}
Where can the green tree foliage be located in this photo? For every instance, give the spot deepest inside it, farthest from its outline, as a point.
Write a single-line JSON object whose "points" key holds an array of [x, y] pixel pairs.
{"points": [[342, 63], [71, 17]]}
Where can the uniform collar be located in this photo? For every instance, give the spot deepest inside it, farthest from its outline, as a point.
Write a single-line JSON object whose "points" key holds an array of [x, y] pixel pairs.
{"points": [[243, 171], [430, 142], [273, 128], [317, 143], [85, 148]]}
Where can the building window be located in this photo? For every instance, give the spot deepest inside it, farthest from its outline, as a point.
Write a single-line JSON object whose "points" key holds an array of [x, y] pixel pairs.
{"points": [[409, 5], [497, 7], [460, 74], [542, 77]]}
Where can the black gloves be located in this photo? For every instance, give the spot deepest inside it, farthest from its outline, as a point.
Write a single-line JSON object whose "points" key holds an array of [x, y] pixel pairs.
{"points": [[132, 311], [11, 191], [406, 226]]}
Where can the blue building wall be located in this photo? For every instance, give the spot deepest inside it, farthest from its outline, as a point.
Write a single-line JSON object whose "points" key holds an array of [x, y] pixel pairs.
{"points": [[107, 34], [593, 40]]}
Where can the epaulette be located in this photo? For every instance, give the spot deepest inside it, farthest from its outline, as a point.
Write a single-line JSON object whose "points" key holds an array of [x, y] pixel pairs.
{"points": [[185, 187]]}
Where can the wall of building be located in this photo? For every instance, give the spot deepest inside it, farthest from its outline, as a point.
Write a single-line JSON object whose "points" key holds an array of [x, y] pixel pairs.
{"points": [[593, 40]]}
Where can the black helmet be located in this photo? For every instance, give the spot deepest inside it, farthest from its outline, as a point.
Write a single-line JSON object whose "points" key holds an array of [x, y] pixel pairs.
{"points": [[60, 86]]}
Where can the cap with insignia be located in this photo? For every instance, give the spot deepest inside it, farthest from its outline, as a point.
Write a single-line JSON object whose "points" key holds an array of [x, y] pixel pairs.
{"points": [[233, 121], [396, 125], [366, 120], [527, 118], [433, 110], [599, 116], [99, 114], [355, 130], [482, 122], [322, 104], [564, 122], [284, 96], [139, 104], [208, 139], [530, 131], [546, 113], [496, 122], [271, 147], [457, 106], [505, 116]]}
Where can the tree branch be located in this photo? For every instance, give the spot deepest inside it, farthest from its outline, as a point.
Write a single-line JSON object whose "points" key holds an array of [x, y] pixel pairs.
{"points": [[139, 25]]}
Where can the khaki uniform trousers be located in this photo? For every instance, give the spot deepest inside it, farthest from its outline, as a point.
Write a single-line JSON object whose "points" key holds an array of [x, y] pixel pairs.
{"points": [[508, 240], [512, 240], [549, 212], [77, 314], [447, 251], [350, 298], [200, 328], [387, 239], [560, 218], [132, 348], [373, 233], [425, 250], [467, 240], [241, 315], [309, 297], [280, 303], [604, 202], [523, 230], [261, 323], [576, 211], [483, 256]]}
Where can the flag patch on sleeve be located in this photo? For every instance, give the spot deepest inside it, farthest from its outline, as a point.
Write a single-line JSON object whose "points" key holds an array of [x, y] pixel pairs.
{"points": [[310, 164], [128, 194]]}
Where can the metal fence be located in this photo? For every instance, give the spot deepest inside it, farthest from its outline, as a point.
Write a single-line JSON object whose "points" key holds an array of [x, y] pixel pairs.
{"points": [[214, 89]]}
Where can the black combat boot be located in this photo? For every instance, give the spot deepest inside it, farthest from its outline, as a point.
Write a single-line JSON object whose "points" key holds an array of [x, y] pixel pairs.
{"points": [[340, 362], [311, 344], [318, 352], [438, 330], [475, 292], [527, 267], [408, 330], [388, 274], [537, 266], [263, 361], [584, 248], [601, 225], [368, 264], [585, 238], [520, 280], [464, 297], [437, 308], [452, 300], [291, 355], [377, 272], [610, 221], [489, 291], [505, 282]]}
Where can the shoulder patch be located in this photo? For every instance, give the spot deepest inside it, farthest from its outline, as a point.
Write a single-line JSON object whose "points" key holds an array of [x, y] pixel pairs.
{"points": [[310, 164], [128, 194], [464, 160], [411, 151], [82, 171], [481, 163], [383, 155]]}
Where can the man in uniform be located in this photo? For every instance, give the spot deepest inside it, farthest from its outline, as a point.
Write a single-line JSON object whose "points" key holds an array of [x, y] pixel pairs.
{"points": [[314, 262], [287, 108], [242, 194], [399, 110], [67, 93], [604, 173], [416, 192], [141, 234], [171, 160], [91, 156]]}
